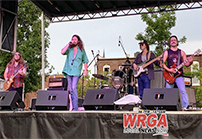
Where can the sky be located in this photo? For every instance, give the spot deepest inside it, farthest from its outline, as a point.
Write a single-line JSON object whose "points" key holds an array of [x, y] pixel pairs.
{"points": [[104, 34]]}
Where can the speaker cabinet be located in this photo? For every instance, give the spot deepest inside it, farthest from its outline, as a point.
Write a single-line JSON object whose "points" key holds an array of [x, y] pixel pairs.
{"points": [[32, 104], [52, 100], [100, 99], [10, 100], [159, 80], [162, 99], [192, 96]]}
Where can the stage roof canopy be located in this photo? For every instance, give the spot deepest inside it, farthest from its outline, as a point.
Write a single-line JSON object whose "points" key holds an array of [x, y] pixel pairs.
{"points": [[63, 10]]}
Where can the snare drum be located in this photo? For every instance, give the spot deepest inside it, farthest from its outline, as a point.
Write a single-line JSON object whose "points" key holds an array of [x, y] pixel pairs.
{"points": [[118, 79], [106, 86]]}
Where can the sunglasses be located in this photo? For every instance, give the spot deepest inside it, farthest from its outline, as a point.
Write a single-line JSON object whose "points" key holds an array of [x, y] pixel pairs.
{"points": [[141, 44], [17, 55]]}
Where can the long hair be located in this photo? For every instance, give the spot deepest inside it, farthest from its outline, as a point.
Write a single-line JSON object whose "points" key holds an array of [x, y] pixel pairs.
{"points": [[20, 61], [147, 45], [80, 42]]}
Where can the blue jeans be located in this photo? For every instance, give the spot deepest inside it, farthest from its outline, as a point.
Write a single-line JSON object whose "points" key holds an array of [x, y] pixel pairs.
{"points": [[72, 88], [143, 82], [181, 86], [130, 89]]}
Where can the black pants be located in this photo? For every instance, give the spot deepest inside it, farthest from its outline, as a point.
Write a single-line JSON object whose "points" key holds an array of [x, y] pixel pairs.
{"points": [[19, 91]]}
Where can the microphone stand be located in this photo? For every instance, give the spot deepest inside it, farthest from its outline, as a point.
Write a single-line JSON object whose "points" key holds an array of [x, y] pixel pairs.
{"points": [[83, 76], [123, 49], [126, 86], [164, 49], [94, 69]]}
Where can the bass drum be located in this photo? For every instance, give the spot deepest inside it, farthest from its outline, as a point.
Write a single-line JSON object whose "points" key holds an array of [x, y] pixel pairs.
{"points": [[118, 79]]}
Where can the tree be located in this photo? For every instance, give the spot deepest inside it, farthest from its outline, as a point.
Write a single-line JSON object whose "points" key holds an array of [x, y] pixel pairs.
{"points": [[88, 83], [158, 28], [29, 44], [198, 74]]}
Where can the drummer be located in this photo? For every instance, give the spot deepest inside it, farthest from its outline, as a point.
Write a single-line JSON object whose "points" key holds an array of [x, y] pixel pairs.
{"points": [[130, 78]]}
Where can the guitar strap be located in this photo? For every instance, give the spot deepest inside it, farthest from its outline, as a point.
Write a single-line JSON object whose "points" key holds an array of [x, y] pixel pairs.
{"points": [[149, 55], [179, 56]]}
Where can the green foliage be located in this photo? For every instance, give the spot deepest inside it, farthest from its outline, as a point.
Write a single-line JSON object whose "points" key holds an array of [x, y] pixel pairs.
{"points": [[198, 90], [5, 57], [158, 28], [91, 83], [29, 44]]}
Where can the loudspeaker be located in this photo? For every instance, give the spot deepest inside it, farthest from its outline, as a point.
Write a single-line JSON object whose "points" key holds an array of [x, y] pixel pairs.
{"points": [[192, 96], [100, 99], [32, 104], [8, 22], [52, 100], [10, 100], [159, 81], [161, 99]]}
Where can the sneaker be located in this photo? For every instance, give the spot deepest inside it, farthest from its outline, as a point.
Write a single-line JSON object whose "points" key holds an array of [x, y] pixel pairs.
{"points": [[184, 109]]}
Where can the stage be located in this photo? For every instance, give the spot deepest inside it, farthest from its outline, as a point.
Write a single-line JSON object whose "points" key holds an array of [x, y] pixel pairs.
{"points": [[90, 124]]}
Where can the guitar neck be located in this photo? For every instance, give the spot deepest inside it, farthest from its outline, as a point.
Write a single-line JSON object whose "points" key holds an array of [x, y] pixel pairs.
{"points": [[182, 64], [18, 72], [153, 60]]}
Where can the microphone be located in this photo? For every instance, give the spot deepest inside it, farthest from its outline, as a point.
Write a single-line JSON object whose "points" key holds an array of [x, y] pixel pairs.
{"points": [[119, 41], [92, 52]]}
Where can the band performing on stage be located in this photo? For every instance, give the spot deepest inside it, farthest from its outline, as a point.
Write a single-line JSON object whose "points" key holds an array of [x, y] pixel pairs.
{"points": [[133, 77]]}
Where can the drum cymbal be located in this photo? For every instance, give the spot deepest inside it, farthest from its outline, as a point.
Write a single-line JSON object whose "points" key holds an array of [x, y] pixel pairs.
{"points": [[126, 64], [99, 76]]}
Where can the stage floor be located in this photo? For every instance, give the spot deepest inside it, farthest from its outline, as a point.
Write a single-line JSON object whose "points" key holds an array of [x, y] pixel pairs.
{"points": [[90, 124]]}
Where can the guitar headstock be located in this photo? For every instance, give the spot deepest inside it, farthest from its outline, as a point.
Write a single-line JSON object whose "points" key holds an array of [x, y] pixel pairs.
{"points": [[25, 66], [197, 52]]}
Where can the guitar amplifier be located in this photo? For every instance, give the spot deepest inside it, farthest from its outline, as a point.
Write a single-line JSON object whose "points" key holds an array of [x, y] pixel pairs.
{"points": [[57, 82], [187, 81]]}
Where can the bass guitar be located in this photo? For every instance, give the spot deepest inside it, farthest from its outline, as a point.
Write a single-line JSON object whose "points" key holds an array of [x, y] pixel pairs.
{"points": [[141, 67], [7, 83], [170, 77]]}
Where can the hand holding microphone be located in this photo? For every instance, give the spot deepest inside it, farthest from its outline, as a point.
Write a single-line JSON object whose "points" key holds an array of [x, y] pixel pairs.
{"points": [[70, 43]]}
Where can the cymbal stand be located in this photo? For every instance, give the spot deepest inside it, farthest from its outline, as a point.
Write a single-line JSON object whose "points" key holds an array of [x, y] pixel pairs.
{"points": [[126, 83]]}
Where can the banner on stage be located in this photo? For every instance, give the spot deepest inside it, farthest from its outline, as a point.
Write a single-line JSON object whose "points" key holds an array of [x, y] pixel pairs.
{"points": [[146, 122]]}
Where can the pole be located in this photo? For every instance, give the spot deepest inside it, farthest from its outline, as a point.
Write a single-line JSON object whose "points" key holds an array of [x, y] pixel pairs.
{"points": [[42, 50]]}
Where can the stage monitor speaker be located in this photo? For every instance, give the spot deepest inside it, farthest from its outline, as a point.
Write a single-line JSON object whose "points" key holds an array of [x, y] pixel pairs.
{"points": [[100, 99], [159, 81], [52, 100], [162, 99], [10, 100]]}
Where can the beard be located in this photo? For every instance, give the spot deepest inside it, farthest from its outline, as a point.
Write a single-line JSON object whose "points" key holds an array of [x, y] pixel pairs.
{"points": [[73, 45]]}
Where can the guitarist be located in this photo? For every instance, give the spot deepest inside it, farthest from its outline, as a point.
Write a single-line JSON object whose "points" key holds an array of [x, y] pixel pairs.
{"points": [[13, 67], [176, 56], [145, 77]]}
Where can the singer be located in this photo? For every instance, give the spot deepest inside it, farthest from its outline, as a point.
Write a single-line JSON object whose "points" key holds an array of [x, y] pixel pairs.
{"points": [[76, 57]]}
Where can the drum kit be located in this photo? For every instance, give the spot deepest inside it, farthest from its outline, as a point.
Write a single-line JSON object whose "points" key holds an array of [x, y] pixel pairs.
{"points": [[118, 79]]}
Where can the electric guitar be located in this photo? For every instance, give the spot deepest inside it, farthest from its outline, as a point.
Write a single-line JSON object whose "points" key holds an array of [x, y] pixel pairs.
{"points": [[7, 83], [142, 66], [170, 77]]}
